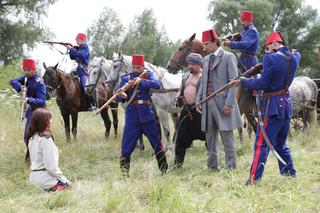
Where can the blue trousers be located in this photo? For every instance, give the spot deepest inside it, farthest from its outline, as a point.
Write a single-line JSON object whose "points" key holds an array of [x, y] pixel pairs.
{"points": [[247, 63], [277, 131], [132, 132], [83, 80]]}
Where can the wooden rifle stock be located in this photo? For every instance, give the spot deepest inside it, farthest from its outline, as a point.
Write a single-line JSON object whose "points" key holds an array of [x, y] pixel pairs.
{"points": [[124, 88], [23, 103], [250, 72], [234, 37]]}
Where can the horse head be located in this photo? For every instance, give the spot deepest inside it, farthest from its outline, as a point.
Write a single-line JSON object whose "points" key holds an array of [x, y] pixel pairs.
{"points": [[51, 79], [178, 59], [119, 67], [98, 72]]}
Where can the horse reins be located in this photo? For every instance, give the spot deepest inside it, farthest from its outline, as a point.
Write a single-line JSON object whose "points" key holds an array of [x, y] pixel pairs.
{"points": [[187, 49]]}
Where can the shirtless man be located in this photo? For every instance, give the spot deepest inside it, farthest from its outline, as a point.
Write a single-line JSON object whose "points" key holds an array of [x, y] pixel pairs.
{"points": [[189, 124]]}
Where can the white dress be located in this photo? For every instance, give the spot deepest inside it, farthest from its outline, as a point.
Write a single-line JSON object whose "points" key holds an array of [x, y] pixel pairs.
{"points": [[44, 157]]}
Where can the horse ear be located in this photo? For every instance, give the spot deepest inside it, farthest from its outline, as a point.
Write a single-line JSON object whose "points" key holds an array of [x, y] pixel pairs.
{"points": [[44, 65], [119, 53], [56, 66], [192, 37]]}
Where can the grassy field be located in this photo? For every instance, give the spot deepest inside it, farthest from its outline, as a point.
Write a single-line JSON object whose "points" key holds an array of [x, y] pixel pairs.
{"points": [[93, 165]]}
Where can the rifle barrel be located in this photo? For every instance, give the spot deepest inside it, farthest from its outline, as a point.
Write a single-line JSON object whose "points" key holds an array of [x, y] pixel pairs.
{"points": [[250, 72]]}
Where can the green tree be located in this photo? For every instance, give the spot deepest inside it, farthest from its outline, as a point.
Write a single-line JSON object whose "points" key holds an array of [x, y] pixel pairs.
{"points": [[143, 37], [20, 27], [104, 34]]}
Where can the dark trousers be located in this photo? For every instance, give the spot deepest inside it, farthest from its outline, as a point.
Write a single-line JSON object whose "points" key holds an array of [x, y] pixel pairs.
{"points": [[188, 131]]}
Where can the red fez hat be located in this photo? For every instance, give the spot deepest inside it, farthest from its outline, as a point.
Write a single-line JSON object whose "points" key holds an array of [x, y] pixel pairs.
{"points": [[274, 36], [81, 36], [137, 60], [246, 16], [209, 35], [29, 64]]}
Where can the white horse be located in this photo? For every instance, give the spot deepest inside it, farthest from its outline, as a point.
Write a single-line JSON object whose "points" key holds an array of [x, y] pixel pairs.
{"points": [[98, 72], [95, 85], [163, 101]]}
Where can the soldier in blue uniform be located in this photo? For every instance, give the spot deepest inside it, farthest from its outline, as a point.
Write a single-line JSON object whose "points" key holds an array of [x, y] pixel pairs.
{"points": [[248, 44], [139, 117], [279, 67], [82, 56], [35, 88]]}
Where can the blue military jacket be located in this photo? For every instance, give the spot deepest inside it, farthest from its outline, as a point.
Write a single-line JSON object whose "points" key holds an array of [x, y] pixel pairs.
{"points": [[82, 57], [139, 113], [249, 41], [274, 77], [248, 44], [36, 90]]}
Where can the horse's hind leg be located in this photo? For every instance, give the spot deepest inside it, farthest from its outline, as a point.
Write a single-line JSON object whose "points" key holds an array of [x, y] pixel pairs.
{"points": [[66, 121], [107, 122], [74, 117], [114, 112], [164, 118]]}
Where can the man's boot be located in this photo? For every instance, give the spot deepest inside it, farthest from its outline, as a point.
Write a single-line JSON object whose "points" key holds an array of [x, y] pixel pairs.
{"points": [[162, 161], [179, 158], [125, 166]]}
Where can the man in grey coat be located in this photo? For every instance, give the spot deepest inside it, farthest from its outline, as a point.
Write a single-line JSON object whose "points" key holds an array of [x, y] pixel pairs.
{"points": [[220, 113]]}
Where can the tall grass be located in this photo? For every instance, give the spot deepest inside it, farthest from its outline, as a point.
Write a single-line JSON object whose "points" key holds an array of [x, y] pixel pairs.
{"points": [[93, 165]]}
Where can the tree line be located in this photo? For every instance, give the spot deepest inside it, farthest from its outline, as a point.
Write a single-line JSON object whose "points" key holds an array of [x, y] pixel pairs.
{"points": [[21, 29]]}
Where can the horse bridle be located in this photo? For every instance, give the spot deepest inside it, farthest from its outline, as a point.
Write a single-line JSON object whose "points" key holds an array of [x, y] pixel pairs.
{"points": [[55, 80], [117, 71], [100, 71], [186, 51]]}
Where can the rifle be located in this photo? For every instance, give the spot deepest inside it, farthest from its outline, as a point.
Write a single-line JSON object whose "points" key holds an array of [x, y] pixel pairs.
{"points": [[234, 37], [61, 43], [124, 88], [23, 102], [250, 72]]}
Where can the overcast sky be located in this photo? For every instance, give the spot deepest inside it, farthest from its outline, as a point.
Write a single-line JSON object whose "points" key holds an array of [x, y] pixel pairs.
{"points": [[181, 18]]}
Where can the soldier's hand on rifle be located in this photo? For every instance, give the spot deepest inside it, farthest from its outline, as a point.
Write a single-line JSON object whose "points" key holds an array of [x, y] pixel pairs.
{"points": [[235, 83], [68, 46], [23, 88], [226, 42], [122, 95], [227, 110], [199, 109], [24, 99], [137, 82]]}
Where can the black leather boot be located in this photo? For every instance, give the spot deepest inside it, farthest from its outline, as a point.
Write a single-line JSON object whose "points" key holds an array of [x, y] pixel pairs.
{"points": [[125, 166], [179, 158], [162, 161]]}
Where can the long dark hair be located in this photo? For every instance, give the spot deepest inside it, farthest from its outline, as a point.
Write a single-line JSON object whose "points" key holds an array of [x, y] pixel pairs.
{"points": [[39, 123]]}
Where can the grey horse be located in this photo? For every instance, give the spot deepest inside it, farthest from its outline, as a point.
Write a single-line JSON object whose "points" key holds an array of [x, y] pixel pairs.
{"points": [[303, 95]]}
